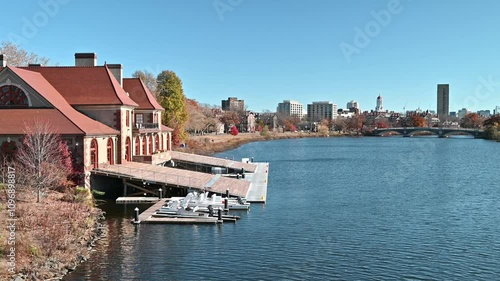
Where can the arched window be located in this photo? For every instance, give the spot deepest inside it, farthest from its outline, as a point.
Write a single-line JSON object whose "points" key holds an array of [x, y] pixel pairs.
{"points": [[150, 144], [137, 146], [94, 154], [110, 151], [144, 146], [157, 143], [12, 96], [127, 149]]}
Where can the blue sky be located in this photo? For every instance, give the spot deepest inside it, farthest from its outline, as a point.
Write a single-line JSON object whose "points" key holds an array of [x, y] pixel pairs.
{"points": [[265, 51]]}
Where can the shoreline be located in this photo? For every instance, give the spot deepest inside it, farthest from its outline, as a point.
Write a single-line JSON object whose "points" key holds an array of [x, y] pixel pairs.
{"points": [[211, 144]]}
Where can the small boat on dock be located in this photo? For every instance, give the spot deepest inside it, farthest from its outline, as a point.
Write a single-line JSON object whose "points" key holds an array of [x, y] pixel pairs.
{"points": [[202, 201], [179, 208]]}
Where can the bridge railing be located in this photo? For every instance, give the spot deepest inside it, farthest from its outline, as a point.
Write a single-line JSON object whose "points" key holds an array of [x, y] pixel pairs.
{"points": [[430, 128], [152, 176]]}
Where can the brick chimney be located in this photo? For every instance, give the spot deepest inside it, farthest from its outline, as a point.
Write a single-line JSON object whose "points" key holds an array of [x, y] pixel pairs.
{"points": [[85, 59], [3, 62], [117, 70]]}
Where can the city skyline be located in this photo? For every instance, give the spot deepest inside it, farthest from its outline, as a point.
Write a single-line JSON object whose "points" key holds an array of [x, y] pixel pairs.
{"points": [[297, 50]]}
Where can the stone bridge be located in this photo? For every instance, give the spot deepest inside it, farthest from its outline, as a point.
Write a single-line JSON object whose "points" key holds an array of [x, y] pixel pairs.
{"points": [[441, 132]]}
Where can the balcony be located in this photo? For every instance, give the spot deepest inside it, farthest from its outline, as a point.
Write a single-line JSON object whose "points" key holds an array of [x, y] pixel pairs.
{"points": [[146, 127], [155, 159]]}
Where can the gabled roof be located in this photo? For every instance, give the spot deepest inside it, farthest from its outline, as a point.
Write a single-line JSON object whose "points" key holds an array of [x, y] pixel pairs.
{"points": [[140, 94], [85, 85], [81, 124]]}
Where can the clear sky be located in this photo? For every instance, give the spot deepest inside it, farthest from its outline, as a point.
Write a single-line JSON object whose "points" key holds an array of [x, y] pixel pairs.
{"points": [[265, 51]]}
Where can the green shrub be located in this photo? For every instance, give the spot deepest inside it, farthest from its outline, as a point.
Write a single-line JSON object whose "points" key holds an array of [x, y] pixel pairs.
{"points": [[34, 251]]}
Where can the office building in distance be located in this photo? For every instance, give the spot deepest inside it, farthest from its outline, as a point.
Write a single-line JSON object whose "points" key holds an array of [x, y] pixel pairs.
{"points": [[290, 108], [233, 104], [321, 110], [443, 100]]}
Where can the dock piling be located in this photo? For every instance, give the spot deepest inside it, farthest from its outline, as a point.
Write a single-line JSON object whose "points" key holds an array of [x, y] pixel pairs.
{"points": [[219, 216], [160, 194], [136, 217], [226, 202]]}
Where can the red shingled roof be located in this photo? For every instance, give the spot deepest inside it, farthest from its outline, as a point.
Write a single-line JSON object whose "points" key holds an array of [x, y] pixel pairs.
{"points": [[140, 94], [81, 85], [13, 121], [81, 123]]}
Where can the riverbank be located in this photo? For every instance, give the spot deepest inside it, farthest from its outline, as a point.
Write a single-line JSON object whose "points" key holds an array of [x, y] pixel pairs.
{"points": [[47, 239], [211, 144]]}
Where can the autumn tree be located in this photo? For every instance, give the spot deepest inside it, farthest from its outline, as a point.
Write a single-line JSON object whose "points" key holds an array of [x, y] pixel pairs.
{"points": [[495, 119], [230, 118], [340, 124], [234, 131], [148, 79], [381, 124], [418, 121], [201, 117], [471, 120], [492, 127], [17, 56], [355, 123], [171, 97], [43, 158]]}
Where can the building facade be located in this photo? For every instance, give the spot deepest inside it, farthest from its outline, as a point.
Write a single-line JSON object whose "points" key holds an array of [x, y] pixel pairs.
{"points": [[484, 113], [321, 110], [353, 105], [103, 118], [443, 100], [496, 110], [291, 108], [462, 112], [233, 104]]}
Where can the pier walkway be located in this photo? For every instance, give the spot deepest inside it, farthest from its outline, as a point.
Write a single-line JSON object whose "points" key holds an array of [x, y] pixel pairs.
{"points": [[258, 191], [213, 161], [175, 177]]}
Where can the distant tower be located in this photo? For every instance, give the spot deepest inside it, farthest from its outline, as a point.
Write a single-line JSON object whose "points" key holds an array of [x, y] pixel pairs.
{"points": [[380, 106], [443, 100]]}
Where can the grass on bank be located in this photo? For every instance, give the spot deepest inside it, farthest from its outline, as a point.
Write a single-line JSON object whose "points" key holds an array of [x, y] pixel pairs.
{"points": [[49, 235]]}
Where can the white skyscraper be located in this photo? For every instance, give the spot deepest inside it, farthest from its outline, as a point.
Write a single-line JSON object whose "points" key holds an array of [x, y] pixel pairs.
{"points": [[352, 104], [291, 108], [497, 110], [380, 105]]}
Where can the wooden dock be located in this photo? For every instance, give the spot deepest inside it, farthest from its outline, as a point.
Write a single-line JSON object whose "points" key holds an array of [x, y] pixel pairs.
{"points": [[175, 177]]}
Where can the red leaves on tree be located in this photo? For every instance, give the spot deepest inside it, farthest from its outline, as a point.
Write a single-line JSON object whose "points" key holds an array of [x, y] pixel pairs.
{"points": [[234, 131]]}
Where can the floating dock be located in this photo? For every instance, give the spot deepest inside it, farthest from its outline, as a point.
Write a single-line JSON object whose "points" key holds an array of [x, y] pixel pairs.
{"points": [[257, 193], [148, 217]]}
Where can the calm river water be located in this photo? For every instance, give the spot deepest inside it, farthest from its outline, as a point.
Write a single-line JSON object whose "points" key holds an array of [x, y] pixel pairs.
{"points": [[338, 209]]}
